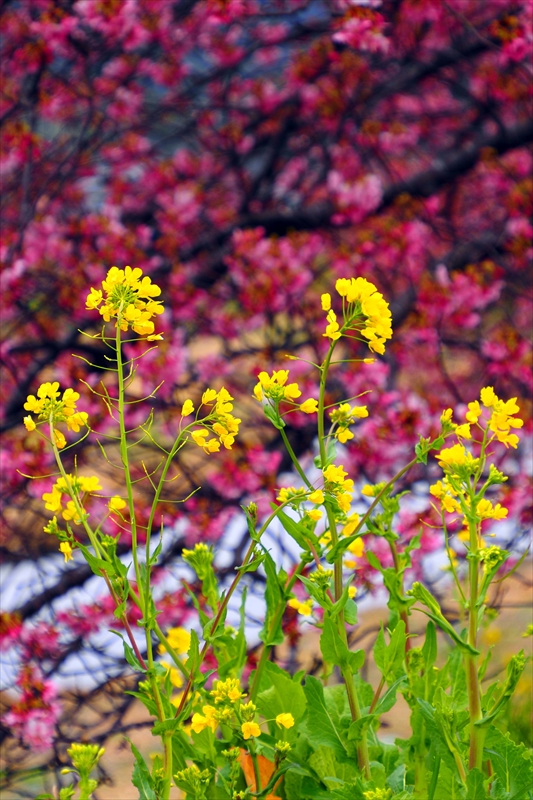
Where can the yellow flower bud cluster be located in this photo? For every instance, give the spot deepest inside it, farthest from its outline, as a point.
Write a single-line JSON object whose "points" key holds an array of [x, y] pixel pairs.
{"points": [[50, 407], [220, 420], [274, 387], [228, 691], [365, 312], [344, 416], [304, 608], [129, 300]]}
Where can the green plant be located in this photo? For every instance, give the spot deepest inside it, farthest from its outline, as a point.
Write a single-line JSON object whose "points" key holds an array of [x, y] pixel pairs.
{"points": [[297, 736]]}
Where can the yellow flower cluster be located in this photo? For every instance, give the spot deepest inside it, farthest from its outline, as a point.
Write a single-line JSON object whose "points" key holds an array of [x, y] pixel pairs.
{"points": [[129, 300], [365, 311], [455, 458], [74, 486], [274, 387], [50, 407], [228, 691], [336, 483], [501, 416], [343, 417], [220, 420]]}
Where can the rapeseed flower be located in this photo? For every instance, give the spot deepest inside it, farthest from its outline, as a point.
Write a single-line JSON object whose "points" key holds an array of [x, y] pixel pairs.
{"points": [[274, 387], [49, 406], [129, 300], [365, 313]]}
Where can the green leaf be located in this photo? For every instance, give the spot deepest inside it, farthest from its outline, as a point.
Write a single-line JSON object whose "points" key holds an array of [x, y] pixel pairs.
{"points": [[389, 658], [322, 721], [335, 650], [274, 596], [141, 778], [296, 530], [278, 694], [512, 764], [358, 728], [129, 653], [475, 785], [429, 650], [388, 700], [273, 415], [350, 612]]}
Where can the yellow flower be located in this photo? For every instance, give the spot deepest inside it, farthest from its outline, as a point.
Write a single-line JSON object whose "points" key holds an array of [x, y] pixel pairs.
{"points": [[29, 423], [250, 729], [304, 608], [200, 722], [463, 431], [227, 691], [309, 406], [129, 300], [314, 514], [343, 435], [178, 639], [332, 329], [176, 678], [285, 720], [351, 524], [368, 490], [357, 547], [488, 397], [352, 591], [187, 408], [446, 415], [474, 412], [454, 457], [59, 439], [317, 496], [208, 397], [71, 512], [66, 549], [116, 503], [52, 500], [326, 301]]}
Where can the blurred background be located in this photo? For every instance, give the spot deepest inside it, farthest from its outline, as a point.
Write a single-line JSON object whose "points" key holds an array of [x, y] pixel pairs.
{"points": [[246, 154]]}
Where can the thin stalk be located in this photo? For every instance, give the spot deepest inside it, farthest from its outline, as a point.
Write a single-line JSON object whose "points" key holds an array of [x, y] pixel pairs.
{"points": [[353, 701], [295, 461], [477, 733], [126, 467]]}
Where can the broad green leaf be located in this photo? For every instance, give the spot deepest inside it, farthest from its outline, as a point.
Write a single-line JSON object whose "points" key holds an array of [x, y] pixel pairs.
{"points": [[511, 762], [475, 785], [141, 778], [322, 721], [278, 694], [358, 728], [336, 651]]}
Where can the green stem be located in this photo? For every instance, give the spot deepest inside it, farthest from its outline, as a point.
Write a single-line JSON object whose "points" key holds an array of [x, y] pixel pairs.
{"points": [[294, 460], [477, 733], [257, 774], [125, 464], [404, 615], [353, 701]]}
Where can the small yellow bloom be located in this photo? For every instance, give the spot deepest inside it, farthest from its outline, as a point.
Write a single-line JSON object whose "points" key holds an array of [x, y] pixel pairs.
{"points": [[208, 397], [309, 406], [317, 496], [474, 412], [488, 397], [187, 408], [250, 729], [66, 549], [332, 329], [352, 591], [357, 547], [304, 608], [446, 415], [314, 514], [29, 423], [463, 431], [116, 503], [367, 490], [59, 439], [179, 639], [326, 301], [285, 720]]}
